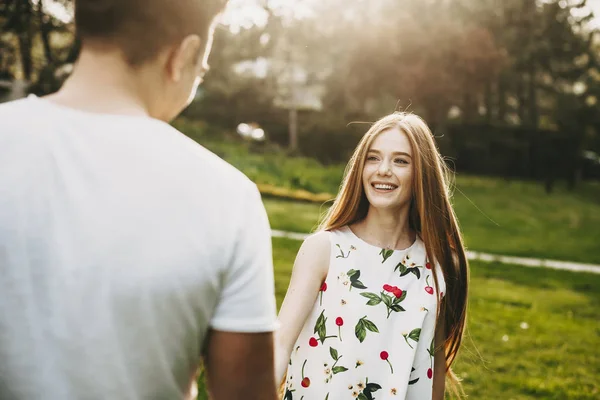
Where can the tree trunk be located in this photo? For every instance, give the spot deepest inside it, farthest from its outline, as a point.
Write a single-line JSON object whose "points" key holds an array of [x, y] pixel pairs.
{"points": [[488, 99], [24, 13], [522, 103], [293, 129], [45, 30], [501, 99], [532, 97]]}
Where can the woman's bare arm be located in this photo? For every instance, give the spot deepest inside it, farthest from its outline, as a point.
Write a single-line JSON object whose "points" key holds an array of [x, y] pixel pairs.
{"points": [[310, 270]]}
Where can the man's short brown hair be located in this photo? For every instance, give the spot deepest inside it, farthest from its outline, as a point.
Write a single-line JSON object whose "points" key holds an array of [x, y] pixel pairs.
{"points": [[141, 28]]}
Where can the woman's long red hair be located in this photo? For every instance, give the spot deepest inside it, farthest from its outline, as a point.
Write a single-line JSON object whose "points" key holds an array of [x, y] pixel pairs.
{"points": [[431, 217]]}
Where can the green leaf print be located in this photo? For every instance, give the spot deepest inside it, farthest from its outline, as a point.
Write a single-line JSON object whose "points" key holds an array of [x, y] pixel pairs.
{"points": [[360, 331], [353, 275], [391, 302], [402, 268], [397, 308], [362, 396], [385, 253], [412, 270], [320, 326], [334, 353], [338, 369], [387, 300], [327, 397], [288, 395], [414, 334], [416, 272], [431, 349], [414, 380], [370, 326], [373, 298], [357, 284], [362, 326], [372, 387]]}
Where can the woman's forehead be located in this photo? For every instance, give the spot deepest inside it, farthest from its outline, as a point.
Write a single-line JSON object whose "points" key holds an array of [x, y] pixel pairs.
{"points": [[391, 140]]}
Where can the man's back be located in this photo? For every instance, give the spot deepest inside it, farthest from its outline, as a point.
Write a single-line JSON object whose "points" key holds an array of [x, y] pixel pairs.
{"points": [[121, 243]]}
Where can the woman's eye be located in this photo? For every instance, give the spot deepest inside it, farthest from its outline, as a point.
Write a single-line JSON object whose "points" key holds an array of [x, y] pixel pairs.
{"points": [[400, 161], [371, 158]]}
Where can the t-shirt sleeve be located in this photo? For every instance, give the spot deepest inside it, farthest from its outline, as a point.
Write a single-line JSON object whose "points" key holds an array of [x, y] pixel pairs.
{"points": [[247, 301]]}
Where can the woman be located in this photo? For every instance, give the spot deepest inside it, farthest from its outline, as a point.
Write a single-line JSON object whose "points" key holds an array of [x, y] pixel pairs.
{"points": [[376, 305]]}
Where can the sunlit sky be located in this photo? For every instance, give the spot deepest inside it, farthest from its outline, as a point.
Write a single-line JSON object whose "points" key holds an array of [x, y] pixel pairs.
{"points": [[244, 13]]}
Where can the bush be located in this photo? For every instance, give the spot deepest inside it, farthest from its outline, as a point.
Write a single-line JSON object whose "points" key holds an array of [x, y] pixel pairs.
{"points": [[268, 164]]}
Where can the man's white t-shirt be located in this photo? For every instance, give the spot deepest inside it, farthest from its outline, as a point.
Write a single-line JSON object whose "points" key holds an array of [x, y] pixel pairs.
{"points": [[121, 243]]}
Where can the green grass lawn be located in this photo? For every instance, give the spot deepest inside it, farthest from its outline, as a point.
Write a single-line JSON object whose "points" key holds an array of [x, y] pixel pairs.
{"points": [[496, 216], [556, 358]]}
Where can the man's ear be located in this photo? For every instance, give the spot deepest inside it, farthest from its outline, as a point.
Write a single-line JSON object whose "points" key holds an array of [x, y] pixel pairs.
{"points": [[186, 54]]}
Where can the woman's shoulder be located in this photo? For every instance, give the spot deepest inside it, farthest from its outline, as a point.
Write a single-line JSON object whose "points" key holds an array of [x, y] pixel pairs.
{"points": [[318, 241], [319, 244], [313, 255]]}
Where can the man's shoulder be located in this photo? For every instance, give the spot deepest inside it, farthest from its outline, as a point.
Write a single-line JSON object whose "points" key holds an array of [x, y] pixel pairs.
{"points": [[17, 118], [12, 110], [13, 104]]}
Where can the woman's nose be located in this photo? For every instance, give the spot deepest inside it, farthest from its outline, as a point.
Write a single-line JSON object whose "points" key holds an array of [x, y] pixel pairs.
{"points": [[384, 168]]}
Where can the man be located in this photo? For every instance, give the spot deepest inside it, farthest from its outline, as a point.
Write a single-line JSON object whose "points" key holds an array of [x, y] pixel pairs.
{"points": [[127, 251]]}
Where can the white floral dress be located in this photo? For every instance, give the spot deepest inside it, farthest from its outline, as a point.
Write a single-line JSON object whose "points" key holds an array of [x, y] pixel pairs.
{"points": [[370, 334]]}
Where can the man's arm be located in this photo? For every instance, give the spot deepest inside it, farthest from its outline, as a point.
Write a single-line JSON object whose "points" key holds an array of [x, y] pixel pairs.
{"points": [[240, 366], [239, 346]]}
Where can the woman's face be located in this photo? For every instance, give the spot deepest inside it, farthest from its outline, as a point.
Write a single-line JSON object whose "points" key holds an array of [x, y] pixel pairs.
{"points": [[388, 171]]}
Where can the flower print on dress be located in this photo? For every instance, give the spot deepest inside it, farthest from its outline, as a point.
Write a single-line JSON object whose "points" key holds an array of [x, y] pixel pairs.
{"points": [[343, 306], [328, 374], [342, 254], [392, 302], [364, 391], [406, 266], [343, 279]]}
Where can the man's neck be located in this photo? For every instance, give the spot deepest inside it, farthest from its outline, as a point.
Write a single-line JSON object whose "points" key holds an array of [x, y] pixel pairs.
{"points": [[103, 83]]}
